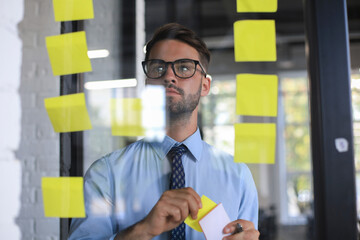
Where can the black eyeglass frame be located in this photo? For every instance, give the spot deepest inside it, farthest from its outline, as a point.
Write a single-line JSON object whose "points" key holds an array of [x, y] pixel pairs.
{"points": [[143, 63]]}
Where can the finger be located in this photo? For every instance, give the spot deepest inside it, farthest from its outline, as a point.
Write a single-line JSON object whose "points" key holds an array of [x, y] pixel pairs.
{"points": [[185, 191], [169, 209], [187, 199], [193, 200], [195, 195], [183, 206], [251, 234], [175, 213], [246, 224], [230, 227], [185, 202], [193, 208]]}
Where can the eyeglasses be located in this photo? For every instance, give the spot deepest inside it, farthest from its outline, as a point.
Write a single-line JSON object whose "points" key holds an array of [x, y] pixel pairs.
{"points": [[183, 68]]}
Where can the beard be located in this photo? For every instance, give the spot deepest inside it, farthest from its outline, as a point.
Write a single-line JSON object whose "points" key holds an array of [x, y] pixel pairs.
{"points": [[183, 108]]}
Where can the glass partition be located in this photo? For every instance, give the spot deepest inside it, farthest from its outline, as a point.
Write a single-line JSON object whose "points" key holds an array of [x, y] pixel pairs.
{"points": [[115, 94], [284, 188]]}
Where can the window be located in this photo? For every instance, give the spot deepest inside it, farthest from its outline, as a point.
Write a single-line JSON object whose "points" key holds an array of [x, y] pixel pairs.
{"points": [[294, 138], [218, 113], [355, 92], [294, 156]]}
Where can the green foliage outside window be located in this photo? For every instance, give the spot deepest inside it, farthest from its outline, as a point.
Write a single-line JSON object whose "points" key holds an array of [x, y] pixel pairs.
{"points": [[294, 92]]}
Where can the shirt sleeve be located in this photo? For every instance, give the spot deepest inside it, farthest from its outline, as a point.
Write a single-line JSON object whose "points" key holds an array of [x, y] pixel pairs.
{"points": [[98, 196], [249, 204]]}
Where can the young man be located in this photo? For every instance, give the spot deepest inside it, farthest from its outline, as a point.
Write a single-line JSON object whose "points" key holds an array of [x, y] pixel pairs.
{"points": [[147, 189]]}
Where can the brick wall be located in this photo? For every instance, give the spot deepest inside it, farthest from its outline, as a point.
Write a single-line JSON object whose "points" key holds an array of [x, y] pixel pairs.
{"points": [[38, 151]]}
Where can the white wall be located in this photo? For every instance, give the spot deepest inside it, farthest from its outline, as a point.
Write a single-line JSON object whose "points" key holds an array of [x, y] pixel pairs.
{"points": [[38, 151], [11, 13]]}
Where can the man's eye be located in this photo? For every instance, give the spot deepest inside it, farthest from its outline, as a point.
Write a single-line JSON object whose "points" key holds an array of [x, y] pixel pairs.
{"points": [[156, 68], [184, 68]]}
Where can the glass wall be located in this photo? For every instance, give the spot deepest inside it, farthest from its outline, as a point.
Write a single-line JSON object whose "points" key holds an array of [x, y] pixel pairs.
{"points": [[115, 39], [107, 45], [354, 30], [355, 91], [285, 188]]}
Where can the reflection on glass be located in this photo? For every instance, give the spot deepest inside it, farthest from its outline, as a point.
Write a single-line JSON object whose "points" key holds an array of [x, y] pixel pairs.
{"points": [[126, 117], [101, 53], [294, 91], [134, 117], [355, 93], [154, 115], [218, 117]]}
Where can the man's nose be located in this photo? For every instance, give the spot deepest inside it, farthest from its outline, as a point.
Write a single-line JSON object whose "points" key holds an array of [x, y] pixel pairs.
{"points": [[169, 76]]}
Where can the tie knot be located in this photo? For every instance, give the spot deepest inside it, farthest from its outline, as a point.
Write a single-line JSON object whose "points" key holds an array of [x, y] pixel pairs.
{"points": [[177, 151]]}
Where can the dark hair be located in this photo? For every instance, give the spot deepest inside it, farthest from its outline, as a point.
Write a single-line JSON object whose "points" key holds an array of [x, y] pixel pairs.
{"points": [[181, 33]]}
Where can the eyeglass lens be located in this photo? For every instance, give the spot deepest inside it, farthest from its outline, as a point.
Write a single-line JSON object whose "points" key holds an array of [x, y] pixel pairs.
{"points": [[184, 68]]}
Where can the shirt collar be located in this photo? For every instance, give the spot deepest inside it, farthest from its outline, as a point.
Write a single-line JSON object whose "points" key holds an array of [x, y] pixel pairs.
{"points": [[193, 143]]}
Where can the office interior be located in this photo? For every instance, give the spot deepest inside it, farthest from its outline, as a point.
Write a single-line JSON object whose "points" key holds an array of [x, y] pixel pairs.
{"points": [[120, 29]]}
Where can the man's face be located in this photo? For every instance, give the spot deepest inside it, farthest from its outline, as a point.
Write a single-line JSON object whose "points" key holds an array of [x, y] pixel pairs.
{"points": [[182, 95]]}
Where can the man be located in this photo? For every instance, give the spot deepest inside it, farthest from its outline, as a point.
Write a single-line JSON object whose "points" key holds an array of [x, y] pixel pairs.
{"points": [[147, 189]]}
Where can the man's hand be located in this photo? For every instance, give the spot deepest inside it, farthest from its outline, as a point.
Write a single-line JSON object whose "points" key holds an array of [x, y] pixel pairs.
{"points": [[249, 232], [172, 209]]}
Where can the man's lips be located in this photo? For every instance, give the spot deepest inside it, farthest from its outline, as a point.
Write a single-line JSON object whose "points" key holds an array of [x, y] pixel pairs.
{"points": [[171, 91]]}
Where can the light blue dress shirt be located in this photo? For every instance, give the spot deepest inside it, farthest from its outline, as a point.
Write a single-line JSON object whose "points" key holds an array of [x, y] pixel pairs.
{"points": [[121, 188]]}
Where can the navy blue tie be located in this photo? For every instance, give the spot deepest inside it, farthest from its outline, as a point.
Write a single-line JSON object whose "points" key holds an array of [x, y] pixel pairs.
{"points": [[177, 181]]}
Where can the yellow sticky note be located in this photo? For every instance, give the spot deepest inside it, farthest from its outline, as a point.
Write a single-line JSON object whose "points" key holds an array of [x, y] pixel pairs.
{"points": [[255, 142], [256, 95], [68, 113], [68, 53], [207, 206], [256, 5], [63, 197], [72, 10], [126, 117], [254, 40]]}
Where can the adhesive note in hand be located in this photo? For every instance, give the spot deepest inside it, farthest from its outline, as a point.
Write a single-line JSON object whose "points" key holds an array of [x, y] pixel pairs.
{"points": [[68, 53], [126, 117], [255, 142], [255, 40], [207, 206], [214, 222], [63, 197], [72, 10], [256, 5], [256, 95], [68, 113]]}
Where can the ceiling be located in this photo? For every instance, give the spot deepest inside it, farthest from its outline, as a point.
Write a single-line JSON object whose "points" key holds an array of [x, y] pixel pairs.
{"points": [[213, 20]]}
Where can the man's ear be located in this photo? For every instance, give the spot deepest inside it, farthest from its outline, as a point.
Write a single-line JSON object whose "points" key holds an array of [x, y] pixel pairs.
{"points": [[206, 82]]}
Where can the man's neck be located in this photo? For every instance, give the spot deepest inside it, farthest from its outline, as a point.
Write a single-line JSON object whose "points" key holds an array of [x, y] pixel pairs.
{"points": [[181, 128]]}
